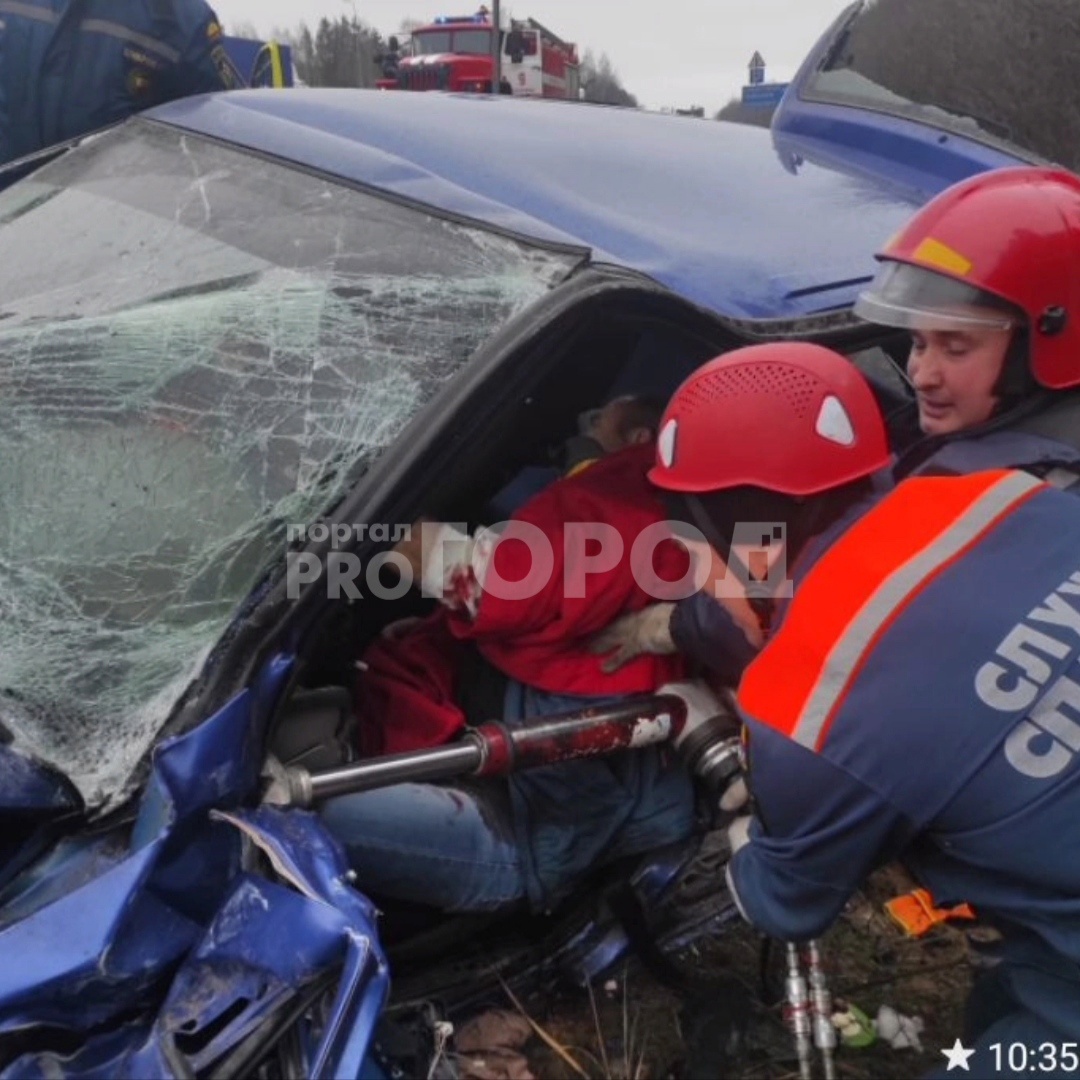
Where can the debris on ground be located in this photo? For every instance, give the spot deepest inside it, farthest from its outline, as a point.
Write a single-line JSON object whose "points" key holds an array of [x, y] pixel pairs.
{"points": [[489, 1046], [899, 1031], [854, 1027], [914, 988]]}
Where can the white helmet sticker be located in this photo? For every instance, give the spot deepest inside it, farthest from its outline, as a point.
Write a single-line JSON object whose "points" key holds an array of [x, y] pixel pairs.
{"points": [[833, 422], [665, 444]]}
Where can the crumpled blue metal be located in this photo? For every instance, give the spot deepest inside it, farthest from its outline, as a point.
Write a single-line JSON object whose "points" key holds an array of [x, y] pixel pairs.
{"points": [[143, 948]]}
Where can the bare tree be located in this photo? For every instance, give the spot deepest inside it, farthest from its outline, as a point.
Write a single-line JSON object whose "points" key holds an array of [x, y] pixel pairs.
{"points": [[600, 82], [340, 52], [243, 30], [408, 25]]}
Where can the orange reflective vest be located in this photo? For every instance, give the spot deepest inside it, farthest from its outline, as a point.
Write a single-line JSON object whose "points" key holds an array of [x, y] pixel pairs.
{"points": [[861, 586]]}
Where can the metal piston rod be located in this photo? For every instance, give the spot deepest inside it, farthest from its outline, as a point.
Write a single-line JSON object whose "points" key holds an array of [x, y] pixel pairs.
{"points": [[494, 749]]}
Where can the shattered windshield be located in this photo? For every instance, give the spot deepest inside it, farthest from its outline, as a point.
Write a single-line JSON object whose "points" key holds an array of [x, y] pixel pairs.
{"points": [[197, 348], [1001, 71]]}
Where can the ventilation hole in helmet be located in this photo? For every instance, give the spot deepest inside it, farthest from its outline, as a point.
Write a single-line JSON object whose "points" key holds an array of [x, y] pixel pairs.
{"points": [[792, 384]]}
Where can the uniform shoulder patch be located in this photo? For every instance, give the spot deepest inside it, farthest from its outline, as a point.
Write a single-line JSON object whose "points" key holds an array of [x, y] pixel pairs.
{"points": [[139, 83]]}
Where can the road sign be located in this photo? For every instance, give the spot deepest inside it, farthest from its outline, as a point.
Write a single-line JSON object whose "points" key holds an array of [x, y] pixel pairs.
{"points": [[757, 69], [764, 96]]}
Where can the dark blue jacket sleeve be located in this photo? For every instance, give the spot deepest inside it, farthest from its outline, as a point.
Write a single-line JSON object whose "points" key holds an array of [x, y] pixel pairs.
{"points": [[204, 65], [817, 834], [704, 632]]}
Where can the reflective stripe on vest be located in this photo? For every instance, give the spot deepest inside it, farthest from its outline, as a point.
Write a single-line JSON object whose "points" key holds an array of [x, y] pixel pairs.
{"points": [[44, 13], [861, 585], [132, 37], [29, 11]]}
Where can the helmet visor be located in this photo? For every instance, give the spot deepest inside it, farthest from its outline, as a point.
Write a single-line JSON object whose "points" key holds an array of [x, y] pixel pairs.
{"points": [[914, 298]]}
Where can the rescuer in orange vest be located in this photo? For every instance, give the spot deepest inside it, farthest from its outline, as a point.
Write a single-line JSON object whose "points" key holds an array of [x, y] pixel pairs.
{"points": [[986, 277], [918, 696]]}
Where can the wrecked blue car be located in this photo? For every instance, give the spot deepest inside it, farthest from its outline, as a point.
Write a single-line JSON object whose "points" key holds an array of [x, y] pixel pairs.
{"points": [[244, 315]]}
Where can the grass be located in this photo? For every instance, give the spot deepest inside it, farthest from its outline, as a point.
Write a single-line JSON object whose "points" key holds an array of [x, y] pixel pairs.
{"points": [[642, 1030]]}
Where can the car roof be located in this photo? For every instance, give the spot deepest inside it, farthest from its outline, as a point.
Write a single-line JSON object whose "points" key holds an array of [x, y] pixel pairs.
{"points": [[703, 207]]}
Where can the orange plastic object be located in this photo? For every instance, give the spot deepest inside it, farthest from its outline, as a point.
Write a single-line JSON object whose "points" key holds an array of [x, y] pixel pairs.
{"points": [[916, 914]]}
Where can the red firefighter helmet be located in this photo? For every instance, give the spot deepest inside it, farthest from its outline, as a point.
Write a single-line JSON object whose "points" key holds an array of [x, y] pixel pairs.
{"points": [[1007, 240], [788, 417]]}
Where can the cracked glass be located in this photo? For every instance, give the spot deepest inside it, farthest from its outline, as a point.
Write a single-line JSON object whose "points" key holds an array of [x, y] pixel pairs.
{"points": [[198, 347]]}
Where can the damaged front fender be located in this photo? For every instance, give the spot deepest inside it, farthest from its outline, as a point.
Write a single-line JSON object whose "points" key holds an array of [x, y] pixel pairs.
{"points": [[300, 953]]}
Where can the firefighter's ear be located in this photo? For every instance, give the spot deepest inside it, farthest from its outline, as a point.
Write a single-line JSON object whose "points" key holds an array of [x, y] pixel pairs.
{"points": [[640, 436]]}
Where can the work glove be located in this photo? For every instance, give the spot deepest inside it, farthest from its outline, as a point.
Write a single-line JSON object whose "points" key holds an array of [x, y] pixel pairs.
{"points": [[738, 832], [706, 710], [700, 701], [631, 636], [735, 797]]}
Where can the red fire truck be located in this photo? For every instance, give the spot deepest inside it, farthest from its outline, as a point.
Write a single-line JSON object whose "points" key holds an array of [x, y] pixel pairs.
{"points": [[454, 53]]}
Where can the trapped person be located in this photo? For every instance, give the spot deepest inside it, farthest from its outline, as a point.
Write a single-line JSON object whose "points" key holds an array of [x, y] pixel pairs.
{"points": [[919, 696], [626, 420], [493, 653], [69, 67]]}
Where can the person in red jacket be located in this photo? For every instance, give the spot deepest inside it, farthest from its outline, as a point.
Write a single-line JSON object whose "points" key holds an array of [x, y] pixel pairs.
{"points": [[519, 610]]}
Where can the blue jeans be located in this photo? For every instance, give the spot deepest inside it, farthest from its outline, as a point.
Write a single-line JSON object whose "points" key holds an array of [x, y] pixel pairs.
{"points": [[482, 846], [449, 847]]}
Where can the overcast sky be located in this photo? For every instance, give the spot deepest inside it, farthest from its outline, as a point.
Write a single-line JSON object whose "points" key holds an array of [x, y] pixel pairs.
{"points": [[670, 53]]}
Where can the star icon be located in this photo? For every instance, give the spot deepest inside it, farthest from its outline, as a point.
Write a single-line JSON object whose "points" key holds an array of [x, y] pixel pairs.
{"points": [[958, 1055]]}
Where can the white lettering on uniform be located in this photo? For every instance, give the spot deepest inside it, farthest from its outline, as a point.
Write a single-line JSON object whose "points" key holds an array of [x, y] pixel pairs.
{"points": [[1047, 720], [1012, 682], [1015, 685], [1034, 667], [1057, 612], [1023, 759], [988, 686]]}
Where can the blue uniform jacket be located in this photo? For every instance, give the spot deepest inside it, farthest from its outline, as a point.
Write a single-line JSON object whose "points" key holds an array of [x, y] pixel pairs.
{"points": [[997, 450], [1042, 437], [68, 67], [952, 742]]}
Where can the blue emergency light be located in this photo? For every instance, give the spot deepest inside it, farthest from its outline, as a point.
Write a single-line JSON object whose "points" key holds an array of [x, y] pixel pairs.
{"points": [[442, 20]]}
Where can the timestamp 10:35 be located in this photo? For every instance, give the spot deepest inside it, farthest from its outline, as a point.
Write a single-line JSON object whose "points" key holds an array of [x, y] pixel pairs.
{"points": [[1046, 1058]]}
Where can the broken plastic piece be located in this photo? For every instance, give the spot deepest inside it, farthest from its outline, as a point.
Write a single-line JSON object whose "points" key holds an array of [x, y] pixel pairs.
{"points": [[899, 1031], [916, 913], [854, 1027]]}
